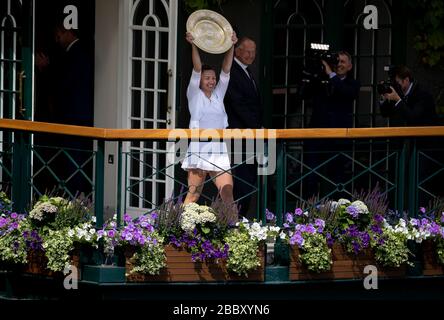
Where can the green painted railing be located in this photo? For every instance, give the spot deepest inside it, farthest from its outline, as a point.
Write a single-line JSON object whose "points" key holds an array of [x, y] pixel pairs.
{"points": [[406, 164]]}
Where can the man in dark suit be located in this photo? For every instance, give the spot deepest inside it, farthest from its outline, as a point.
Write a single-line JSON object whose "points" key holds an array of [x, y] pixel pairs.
{"points": [[72, 71], [244, 110], [333, 105], [410, 104], [75, 80]]}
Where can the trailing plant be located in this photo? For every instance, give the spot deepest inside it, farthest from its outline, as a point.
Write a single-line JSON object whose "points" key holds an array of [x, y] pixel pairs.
{"points": [[390, 247], [306, 232], [242, 253], [150, 258], [57, 245], [315, 253]]}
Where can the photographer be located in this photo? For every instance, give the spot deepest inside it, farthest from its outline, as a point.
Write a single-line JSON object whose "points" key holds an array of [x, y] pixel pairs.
{"points": [[407, 103], [332, 103], [333, 107]]}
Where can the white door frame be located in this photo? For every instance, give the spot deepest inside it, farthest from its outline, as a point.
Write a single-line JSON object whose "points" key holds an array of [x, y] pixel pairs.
{"points": [[126, 8]]}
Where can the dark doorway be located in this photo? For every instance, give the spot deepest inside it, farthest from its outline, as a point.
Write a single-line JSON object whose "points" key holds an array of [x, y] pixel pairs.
{"points": [[64, 93]]}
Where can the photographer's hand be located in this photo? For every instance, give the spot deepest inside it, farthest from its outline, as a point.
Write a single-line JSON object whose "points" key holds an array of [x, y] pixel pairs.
{"points": [[392, 96], [327, 68]]}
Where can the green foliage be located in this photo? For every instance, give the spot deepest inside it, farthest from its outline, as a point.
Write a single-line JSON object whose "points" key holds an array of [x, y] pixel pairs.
{"points": [[242, 255], [440, 250], [394, 251], [4, 200], [193, 5], [150, 259], [72, 213], [59, 213], [429, 27], [57, 245], [316, 255], [13, 248]]}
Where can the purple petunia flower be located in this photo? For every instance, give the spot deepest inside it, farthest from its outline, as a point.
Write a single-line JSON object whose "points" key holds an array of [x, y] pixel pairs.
{"points": [[298, 212], [270, 216], [320, 224], [289, 218], [297, 239], [378, 218], [14, 215], [376, 229], [330, 240]]}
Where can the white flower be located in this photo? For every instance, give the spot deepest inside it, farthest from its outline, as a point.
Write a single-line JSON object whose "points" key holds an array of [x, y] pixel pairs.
{"points": [[282, 235], [333, 206], [343, 202], [257, 232], [194, 214], [40, 209], [275, 229], [93, 219], [360, 206], [71, 233]]}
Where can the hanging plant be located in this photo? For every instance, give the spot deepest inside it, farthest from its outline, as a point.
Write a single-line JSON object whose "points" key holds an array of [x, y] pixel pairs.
{"points": [[193, 5], [429, 27]]}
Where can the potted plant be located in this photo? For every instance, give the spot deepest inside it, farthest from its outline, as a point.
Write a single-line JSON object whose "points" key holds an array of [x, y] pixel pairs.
{"points": [[64, 226], [337, 239]]}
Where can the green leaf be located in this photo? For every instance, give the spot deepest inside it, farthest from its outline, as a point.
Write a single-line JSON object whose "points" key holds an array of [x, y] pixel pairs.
{"points": [[206, 230]]}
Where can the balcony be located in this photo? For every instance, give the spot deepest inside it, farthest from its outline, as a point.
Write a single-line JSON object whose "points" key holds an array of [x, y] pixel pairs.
{"points": [[405, 163]]}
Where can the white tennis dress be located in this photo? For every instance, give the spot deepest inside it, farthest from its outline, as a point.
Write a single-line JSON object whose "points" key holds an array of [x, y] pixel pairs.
{"points": [[207, 113]]}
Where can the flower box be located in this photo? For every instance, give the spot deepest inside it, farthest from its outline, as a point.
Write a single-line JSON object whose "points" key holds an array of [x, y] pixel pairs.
{"points": [[180, 268], [431, 266], [37, 262], [345, 266]]}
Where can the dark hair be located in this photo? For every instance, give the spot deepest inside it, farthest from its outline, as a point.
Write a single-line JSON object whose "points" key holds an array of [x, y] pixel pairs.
{"points": [[403, 72], [242, 40], [206, 67], [345, 53]]}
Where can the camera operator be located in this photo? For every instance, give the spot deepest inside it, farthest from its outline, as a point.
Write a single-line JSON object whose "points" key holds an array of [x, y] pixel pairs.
{"points": [[407, 103], [333, 108], [332, 104]]}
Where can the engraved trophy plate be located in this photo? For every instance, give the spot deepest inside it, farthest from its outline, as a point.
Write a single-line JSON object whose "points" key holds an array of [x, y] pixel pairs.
{"points": [[211, 31]]}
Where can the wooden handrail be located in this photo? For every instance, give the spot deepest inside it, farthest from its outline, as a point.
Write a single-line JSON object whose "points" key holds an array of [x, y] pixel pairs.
{"points": [[162, 134], [54, 128]]}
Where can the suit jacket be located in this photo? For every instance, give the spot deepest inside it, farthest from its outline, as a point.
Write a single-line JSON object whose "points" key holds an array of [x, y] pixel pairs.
{"points": [[333, 103], [75, 87], [242, 100], [415, 109]]}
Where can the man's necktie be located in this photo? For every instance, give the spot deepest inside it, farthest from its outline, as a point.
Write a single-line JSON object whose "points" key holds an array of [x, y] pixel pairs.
{"points": [[251, 78]]}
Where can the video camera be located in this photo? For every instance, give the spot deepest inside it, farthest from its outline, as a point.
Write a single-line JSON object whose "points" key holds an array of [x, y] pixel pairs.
{"points": [[314, 70], [384, 86]]}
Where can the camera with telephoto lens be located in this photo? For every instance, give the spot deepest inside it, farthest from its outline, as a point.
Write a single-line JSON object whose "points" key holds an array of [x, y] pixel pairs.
{"points": [[314, 70], [384, 86]]}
